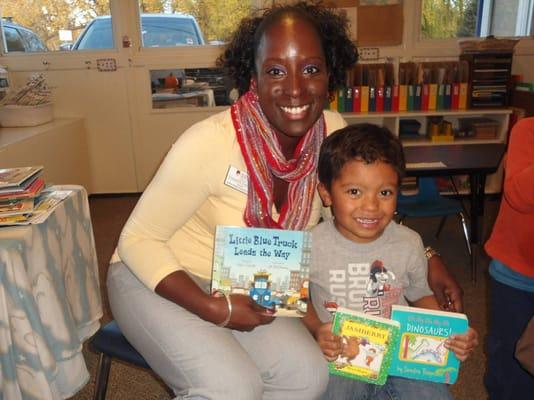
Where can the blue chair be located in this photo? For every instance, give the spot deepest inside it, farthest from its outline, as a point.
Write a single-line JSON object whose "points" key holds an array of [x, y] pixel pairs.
{"points": [[110, 343], [428, 202]]}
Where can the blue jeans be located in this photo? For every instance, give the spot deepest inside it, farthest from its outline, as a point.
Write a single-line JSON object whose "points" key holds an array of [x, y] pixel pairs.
{"points": [[510, 311], [340, 388]]}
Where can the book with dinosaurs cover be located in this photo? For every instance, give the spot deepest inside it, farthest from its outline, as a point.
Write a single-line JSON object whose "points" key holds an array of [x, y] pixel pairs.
{"points": [[421, 352]]}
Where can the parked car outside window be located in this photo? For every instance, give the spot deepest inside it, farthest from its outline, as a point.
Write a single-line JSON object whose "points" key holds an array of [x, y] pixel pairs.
{"points": [[158, 30], [19, 38]]}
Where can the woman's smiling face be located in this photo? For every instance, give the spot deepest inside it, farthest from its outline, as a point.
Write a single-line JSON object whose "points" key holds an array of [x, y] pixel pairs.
{"points": [[291, 76]]}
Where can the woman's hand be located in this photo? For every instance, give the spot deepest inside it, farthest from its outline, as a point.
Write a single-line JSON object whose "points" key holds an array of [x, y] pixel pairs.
{"points": [[462, 345], [246, 313], [447, 291], [179, 288], [330, 344]]}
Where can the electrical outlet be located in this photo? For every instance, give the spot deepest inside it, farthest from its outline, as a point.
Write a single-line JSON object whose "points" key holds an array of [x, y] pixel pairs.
{"points": [[106, 64], [368, 53]]}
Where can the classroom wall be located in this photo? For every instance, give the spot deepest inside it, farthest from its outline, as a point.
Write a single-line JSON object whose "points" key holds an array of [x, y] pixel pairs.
{"points": [[127, 139]]}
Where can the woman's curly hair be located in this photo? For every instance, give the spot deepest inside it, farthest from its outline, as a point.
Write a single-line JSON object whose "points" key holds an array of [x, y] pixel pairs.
{"points": [[238, 59]]}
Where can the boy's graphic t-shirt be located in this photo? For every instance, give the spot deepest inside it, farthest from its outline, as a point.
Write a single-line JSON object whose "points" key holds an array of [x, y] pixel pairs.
{"points": [[368, 277]]}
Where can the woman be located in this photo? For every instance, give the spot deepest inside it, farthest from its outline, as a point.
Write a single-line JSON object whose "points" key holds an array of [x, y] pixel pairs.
{"points": [[285, 63]]}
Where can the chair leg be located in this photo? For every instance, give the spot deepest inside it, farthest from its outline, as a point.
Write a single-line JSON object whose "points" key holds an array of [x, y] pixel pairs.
{"points": [[466, 232], [102, 375], [441, 224], [471, 251]]}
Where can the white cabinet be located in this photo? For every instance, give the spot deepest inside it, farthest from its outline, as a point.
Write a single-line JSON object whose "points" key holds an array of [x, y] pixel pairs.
{"points": [[60, 146]]}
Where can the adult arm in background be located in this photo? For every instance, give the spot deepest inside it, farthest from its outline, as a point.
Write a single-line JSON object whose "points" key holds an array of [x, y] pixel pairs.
{"points": [[181, 185], [445, 287], [519, 167], [461, 344]]}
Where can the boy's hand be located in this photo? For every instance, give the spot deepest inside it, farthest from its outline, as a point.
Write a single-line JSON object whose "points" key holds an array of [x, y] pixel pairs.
{"points": [[462, 345], [329, 343]]}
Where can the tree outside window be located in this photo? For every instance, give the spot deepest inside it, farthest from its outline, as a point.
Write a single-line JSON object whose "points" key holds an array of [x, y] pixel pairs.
{"points": [[442, 19]]}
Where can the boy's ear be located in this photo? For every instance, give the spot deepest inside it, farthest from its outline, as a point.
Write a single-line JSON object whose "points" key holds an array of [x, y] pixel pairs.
{"points": [[324, 194]]}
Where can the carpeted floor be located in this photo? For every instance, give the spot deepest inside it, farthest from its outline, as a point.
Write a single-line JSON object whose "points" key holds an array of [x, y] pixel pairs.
{"points": [[126, 382]]}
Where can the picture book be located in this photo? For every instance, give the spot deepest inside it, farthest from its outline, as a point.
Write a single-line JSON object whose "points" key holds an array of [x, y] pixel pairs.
{"points": [[43, 205], [369, 344], [15, 179], [14, 207], [30, 192], [421, 353], [271, 265]]}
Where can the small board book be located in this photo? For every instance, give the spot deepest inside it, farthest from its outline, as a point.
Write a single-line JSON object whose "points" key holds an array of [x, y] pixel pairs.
{"points": [[19, 178], [30, 192], [369, 344], [15, 207], [43, 206], [421, 353], [270, 265]]}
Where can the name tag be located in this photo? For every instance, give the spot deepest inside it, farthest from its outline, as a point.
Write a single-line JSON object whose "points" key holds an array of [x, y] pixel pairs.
{"points": [[236, 179]]}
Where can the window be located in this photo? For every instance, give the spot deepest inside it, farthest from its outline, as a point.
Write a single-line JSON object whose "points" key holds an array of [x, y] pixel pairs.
{"points": [[476, 18], [13, 39], [83, 25], [98, 34], [33, 41], [189, 23], [20, 39], [43, 25], [169, 30], [200, 87]]}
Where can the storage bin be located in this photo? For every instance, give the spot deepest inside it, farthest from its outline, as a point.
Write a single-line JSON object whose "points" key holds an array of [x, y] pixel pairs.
{"points": [[479, 128], [18, 116]]}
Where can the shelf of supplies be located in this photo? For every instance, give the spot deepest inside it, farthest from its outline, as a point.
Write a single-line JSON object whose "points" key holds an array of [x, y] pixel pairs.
{"points": [[430, 113], [391, 120]]}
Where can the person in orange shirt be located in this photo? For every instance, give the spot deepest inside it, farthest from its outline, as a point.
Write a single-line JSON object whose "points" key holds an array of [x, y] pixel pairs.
{"points": [[511, 247]]}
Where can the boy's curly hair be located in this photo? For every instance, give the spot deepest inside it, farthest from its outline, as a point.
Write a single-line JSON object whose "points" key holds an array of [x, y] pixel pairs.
{"points": [[364, 142], [238, 59]]}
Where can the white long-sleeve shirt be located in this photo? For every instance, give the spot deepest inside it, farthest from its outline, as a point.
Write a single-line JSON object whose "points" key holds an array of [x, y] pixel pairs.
{"points": [[172, 226]]}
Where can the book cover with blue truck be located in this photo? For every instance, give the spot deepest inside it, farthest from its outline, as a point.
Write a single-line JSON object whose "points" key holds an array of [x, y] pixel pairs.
{"points": [[270, 265], [421, 352]]}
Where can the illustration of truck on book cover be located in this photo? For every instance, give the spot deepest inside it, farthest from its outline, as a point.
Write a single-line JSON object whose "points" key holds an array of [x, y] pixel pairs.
{"points": [[271, 265]]}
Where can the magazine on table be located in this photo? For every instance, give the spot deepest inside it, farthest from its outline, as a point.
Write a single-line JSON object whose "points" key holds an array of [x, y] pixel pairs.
{"points": [[44, 205], [18, 179]]}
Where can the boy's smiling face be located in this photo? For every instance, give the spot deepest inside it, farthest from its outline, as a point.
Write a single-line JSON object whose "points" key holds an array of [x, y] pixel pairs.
{"points": [[363, 199]]}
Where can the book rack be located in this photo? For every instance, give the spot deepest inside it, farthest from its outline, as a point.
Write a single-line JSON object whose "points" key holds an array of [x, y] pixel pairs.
{"points": [[489, 79]]}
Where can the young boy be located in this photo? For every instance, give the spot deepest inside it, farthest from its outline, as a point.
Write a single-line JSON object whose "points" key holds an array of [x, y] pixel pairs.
{"points": [[362, 259]]}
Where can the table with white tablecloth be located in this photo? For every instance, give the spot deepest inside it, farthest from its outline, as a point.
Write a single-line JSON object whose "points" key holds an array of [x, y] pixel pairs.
{"points": [[49, 302]]}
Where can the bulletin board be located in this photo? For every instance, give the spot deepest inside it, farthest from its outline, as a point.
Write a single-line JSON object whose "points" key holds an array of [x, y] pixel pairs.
{"points": [[378, 22]]}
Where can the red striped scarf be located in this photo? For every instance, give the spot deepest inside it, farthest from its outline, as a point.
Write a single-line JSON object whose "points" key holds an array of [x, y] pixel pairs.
{"points": [[264, 158]]}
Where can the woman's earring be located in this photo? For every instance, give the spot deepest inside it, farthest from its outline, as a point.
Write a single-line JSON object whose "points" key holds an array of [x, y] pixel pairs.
{"points": [[253, 85]]}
